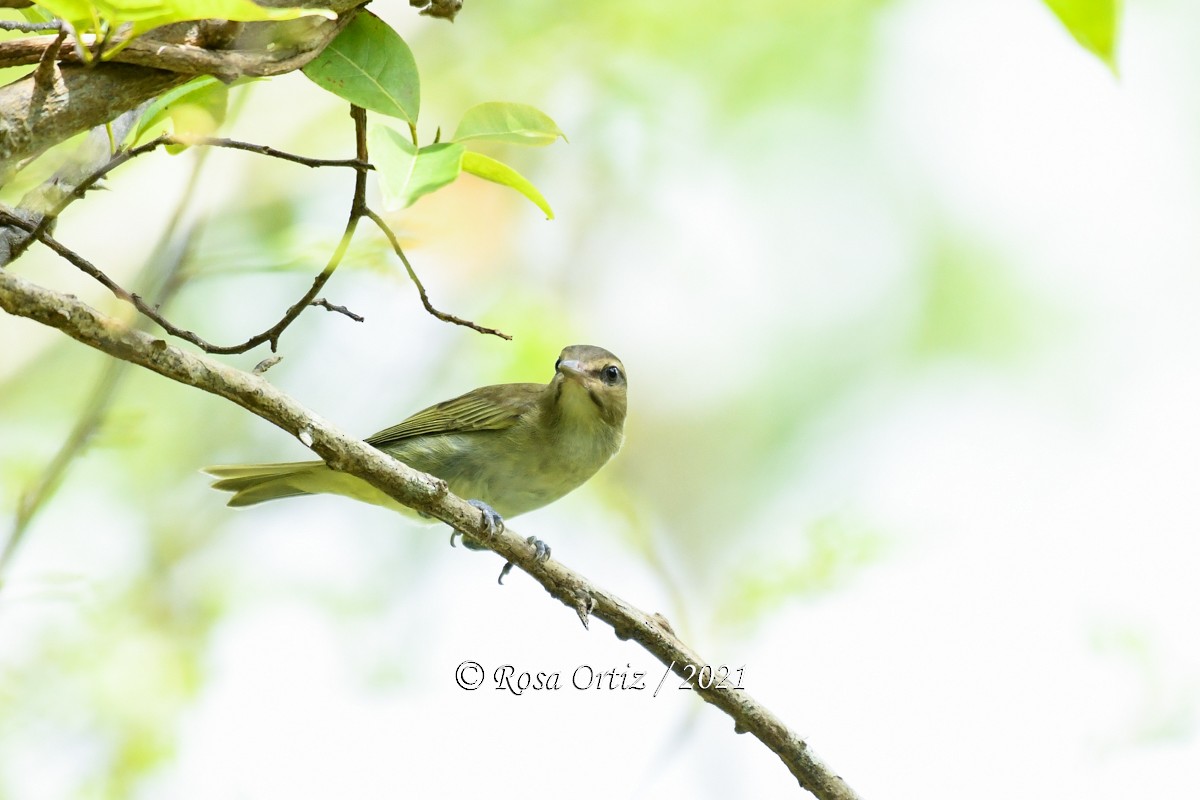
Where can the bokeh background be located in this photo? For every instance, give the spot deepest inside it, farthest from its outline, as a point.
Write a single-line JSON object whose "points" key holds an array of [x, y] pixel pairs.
{"points": [[907, 292]]}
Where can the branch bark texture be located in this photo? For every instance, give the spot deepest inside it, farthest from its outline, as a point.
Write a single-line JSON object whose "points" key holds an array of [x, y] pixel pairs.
{"points": [[49, 106], [417, 490]]}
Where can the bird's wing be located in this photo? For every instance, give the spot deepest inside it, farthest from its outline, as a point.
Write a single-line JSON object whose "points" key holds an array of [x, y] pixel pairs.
{"points": [[488, 408]]}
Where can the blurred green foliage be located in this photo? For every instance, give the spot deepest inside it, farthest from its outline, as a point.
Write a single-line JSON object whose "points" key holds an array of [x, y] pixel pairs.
{"points": [[708, 494]]}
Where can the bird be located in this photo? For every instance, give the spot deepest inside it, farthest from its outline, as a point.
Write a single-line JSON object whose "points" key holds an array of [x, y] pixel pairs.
{"points": [[508, 448]]}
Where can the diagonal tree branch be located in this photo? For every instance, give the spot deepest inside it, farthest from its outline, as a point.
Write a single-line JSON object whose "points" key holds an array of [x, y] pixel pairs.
{"points": [[419, 491]]}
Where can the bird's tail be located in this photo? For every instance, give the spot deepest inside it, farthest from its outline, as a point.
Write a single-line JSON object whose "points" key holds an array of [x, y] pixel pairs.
{"points": [[258, 483]]}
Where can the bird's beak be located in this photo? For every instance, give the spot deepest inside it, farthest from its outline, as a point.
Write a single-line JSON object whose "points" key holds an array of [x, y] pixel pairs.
{"points": [[572, 370]]}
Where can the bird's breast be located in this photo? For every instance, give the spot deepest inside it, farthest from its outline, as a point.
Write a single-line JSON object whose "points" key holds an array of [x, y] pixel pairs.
{"points": [[514, 470]]}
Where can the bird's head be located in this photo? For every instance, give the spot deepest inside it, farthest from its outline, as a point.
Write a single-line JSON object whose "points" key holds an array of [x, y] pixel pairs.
{"points": [[590, 381]]}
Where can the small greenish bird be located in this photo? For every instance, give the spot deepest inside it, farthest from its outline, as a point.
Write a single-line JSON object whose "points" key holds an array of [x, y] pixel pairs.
{"points": [[509, 448]]}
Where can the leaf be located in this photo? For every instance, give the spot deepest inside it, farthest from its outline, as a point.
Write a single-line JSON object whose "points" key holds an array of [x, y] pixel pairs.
{"points": [[1093, 23], [515, 123], [498, 172], [369, 65], [204, 94], [407, 173], [35, 14], [147, 14], [87, 15], [81, 14]]}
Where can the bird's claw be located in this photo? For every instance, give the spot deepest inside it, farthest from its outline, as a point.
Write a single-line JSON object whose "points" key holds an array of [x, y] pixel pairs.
{"points": [[493, 524], [541, 552]]}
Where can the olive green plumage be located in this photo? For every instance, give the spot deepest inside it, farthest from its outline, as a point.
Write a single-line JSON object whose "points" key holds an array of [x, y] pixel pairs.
{"points": [[515, 446]]}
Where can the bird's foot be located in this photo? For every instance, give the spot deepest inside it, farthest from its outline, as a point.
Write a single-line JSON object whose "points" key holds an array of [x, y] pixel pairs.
{"points": [[492, 521], [541, 552]]}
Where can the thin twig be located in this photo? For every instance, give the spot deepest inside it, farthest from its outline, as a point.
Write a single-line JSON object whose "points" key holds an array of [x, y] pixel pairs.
{"points": [[27, 27], [164, 140], [270, 335], [357, 205], [328, 306], [264, 150], [47, 69], [358, 209], [412, 274]]}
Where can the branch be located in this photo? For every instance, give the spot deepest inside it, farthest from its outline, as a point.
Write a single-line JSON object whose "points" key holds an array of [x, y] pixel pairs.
{"points": [[27, 27], [11, 248], [228, 65], [328, 306], [36, 113], [412, 274], [419, 491], [358, 207], [35, 116], [76, 188]]}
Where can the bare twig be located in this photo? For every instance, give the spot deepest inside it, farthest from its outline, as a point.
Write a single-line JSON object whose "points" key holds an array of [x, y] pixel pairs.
{"points": [[272, 334], [358, 210], [412, 274], [328, 306], [423, 493], [47, 68], [27, 27], [131, 153], [264, 150], [75, 259], [357, 205]]}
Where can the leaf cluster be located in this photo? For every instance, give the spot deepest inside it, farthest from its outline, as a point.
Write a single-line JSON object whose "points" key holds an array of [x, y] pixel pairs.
{"points": [[371, 66]]}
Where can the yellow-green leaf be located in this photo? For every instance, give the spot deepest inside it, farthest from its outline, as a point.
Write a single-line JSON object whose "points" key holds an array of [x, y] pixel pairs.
{"points": [[498, 172], [1093, 23], [87, 15], [197, 107], [406, 172], [515, 123]]}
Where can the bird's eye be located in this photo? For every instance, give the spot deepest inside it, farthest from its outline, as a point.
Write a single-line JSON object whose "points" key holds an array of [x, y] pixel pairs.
{"points": [[611, 374], [556, 363]]}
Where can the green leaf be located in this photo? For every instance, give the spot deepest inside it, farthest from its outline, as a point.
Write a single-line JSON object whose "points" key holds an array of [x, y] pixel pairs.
{"points": [[81, 14], [88, 15], [515, 123], [371, 66], [406, 172], [1093, 23], [35, 14], [498, 172], [196, 107]]}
